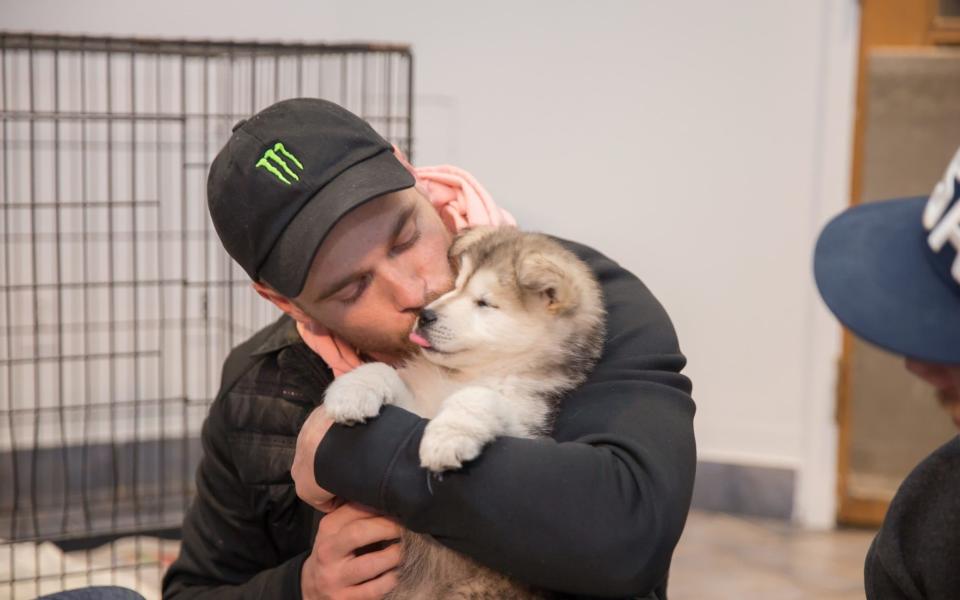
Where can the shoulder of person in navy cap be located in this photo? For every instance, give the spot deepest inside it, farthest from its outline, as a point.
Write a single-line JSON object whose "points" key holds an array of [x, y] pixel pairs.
{"points": [[890, 272], [330, 229]]}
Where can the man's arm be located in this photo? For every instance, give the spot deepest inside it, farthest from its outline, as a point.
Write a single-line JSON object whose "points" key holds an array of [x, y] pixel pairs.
{"points": [[226, 551], [595, 509]]}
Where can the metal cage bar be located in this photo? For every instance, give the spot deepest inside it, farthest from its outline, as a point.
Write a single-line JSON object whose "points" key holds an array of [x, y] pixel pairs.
{"points": [[117, 303]]}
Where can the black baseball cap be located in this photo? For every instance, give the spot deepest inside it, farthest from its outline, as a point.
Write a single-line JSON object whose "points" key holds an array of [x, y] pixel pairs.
{"points": [[286, 176], [890, 272]]}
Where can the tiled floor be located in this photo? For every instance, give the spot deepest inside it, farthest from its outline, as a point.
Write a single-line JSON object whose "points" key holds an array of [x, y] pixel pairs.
{"points": [[719, 557], [724, 557]]}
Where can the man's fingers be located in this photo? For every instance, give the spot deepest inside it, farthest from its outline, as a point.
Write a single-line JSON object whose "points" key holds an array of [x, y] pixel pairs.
{"points": [[375, 589], [369, 566], [951, 403], [364, 532], [330, 505], [337, 519]]}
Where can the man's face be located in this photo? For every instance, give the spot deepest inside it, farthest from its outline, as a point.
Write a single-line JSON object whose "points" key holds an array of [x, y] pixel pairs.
{"points": [[945, 379], [382, 263]]}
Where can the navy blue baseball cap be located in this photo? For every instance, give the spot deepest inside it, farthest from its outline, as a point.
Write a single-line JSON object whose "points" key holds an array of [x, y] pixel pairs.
{"points": [[890, 272]]}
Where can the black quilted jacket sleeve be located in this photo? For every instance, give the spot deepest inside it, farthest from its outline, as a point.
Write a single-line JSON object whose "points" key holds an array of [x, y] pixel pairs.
{"points": [[246, 534]]}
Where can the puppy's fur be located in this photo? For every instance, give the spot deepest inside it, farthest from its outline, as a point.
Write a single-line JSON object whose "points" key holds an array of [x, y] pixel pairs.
{"points": [[523, 324]]}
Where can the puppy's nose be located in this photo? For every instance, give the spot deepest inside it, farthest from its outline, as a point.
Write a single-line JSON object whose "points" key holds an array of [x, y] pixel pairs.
{"points": [[427, 317]]}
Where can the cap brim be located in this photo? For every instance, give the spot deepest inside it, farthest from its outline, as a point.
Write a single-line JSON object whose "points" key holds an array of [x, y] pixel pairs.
{"points": [[874, 270], [288, 264]]}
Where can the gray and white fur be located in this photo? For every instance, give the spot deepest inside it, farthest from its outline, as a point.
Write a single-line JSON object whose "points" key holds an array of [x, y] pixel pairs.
{"points": [[523, 325]]}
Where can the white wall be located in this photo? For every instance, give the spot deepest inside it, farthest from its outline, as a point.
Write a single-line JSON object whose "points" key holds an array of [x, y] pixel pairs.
{"points": [[700, 143]]}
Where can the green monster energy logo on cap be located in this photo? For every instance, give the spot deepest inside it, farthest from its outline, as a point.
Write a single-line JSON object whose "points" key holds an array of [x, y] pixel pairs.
{"points": [[273, 161]]}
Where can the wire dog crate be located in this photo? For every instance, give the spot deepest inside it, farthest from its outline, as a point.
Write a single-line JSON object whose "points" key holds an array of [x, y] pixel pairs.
{"points": [[117, 302]]}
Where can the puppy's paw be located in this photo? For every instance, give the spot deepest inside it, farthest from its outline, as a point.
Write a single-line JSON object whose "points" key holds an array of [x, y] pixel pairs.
{"points": [[445, 446], [351, 404], [358, 395]]}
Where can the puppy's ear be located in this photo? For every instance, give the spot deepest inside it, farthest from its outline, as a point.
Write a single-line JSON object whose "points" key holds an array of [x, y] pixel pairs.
{"points": [[544, 276], [466, 238]]}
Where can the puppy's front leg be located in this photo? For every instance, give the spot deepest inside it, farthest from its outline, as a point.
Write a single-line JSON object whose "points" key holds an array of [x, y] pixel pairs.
{"points": [[358, 395], [468, 419]]}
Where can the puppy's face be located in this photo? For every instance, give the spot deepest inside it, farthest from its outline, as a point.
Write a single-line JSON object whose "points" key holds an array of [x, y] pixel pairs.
{"points": [[504, 307]]}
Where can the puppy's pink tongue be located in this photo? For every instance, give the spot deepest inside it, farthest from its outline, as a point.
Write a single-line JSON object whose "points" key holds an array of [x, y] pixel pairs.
{"points": [[419, 340]]}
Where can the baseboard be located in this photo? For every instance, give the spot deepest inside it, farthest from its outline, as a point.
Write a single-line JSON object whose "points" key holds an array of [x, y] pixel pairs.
{"points": [[755, 491], [97, 490]]}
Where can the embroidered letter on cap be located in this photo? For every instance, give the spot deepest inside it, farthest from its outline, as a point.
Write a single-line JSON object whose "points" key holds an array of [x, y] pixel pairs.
{"points": [[273, 162], [942, 194], [945, 228]]}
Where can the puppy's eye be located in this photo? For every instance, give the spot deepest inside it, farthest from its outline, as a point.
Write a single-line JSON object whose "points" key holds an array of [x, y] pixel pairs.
{"points": [[484, 304]]}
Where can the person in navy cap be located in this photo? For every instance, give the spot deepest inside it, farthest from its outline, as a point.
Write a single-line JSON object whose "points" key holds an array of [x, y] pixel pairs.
{"points": [[890, 272]]}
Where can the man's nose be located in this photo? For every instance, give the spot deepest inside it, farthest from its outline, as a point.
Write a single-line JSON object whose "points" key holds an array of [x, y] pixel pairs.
{"points": [[409, 289]]}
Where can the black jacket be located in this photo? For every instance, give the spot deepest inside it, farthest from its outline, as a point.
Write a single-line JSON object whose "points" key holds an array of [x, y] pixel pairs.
{"points": [[595, 510], [916, 554]]}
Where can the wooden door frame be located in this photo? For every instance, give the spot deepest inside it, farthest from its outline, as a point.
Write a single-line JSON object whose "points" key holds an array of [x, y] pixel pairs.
{"points": [[883, 23]]}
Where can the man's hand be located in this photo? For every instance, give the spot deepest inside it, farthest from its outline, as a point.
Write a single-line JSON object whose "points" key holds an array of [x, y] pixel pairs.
{"points": [[304, 479], [946, 380], [334, 570]]}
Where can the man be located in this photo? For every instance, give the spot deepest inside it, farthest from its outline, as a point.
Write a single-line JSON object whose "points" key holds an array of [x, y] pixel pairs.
{"points": [[890, 272], [316, 208]]}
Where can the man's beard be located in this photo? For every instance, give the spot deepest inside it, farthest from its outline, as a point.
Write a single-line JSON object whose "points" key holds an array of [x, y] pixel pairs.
{"points": [[371, 344], [399, 349], [378, 346]]}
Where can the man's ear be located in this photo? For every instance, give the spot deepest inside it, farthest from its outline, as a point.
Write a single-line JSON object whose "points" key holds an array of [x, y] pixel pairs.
{"points": [[539, 274], [283, 303]]}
